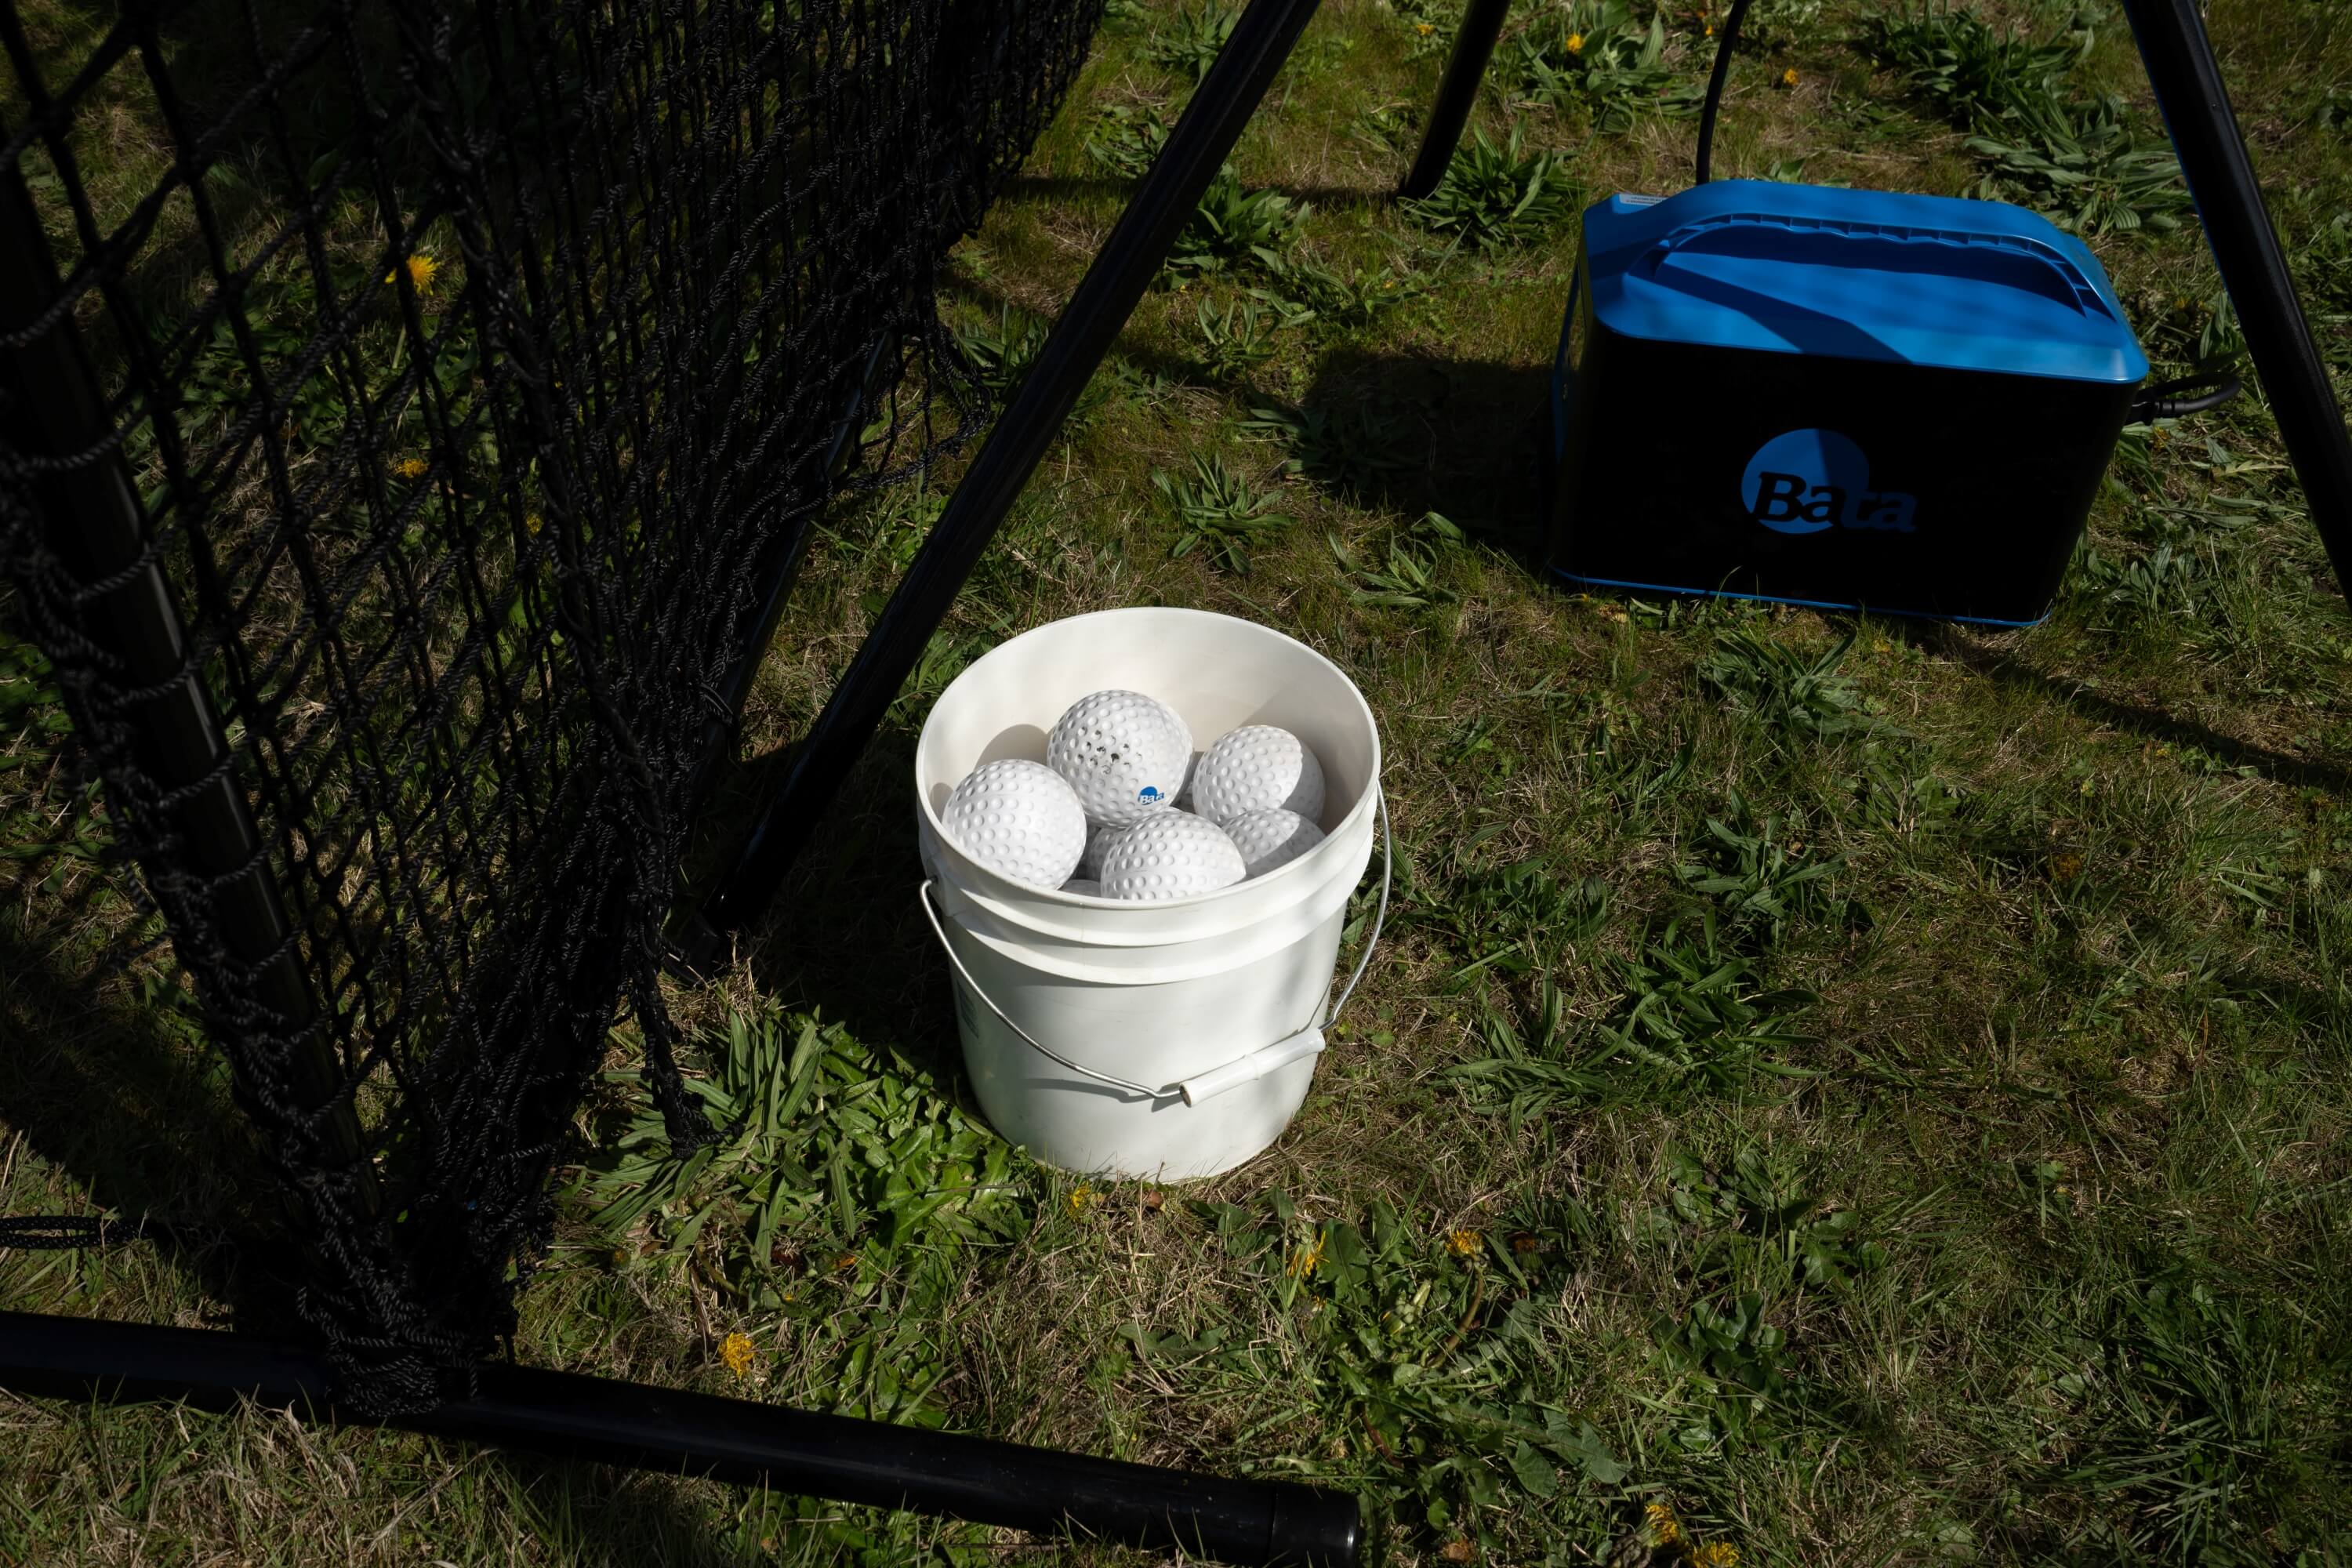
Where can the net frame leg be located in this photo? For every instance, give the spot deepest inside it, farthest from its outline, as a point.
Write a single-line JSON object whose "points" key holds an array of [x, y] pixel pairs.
{"points": [[1457, 93], [571, 1416], [92, 521], [2179, 56], [1203, 137]]}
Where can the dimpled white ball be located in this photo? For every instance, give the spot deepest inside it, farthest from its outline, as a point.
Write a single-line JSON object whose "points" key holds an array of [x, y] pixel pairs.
{"points": [[1018, 818], [1169, 855], [1271, 838], [1257, 768], [1090, 863], [1124, 752]]}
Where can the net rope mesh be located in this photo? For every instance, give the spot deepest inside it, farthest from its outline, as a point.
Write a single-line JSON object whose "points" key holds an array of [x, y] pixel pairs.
{"points": [[473, 363]]}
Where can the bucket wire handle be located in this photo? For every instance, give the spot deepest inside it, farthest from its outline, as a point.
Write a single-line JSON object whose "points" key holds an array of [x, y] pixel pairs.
{"points": [[932, 914], [1174, 1090], [1380, 916]]}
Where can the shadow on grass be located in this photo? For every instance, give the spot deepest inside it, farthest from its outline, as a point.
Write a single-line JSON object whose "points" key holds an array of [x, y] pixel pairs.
{"points": [[119, 1093], [845, 936], [1057, 189], [1407, 430], [2003, 667], [1412, 431]]}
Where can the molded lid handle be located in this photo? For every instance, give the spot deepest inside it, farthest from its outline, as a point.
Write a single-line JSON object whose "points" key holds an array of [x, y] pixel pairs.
{"points": [[1945, 252]]}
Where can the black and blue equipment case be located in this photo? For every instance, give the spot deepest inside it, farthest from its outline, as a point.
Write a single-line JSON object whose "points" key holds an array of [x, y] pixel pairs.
{"points": [[1850, 399]]}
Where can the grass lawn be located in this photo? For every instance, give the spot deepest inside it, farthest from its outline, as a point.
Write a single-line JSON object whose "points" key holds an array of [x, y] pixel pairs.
{"points": [[1864, 1091]]}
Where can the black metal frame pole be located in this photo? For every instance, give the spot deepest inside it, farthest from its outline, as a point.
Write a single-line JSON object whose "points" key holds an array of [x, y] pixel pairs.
{"points": [[569, 1415], [1203, 137], [2196, 105], [91, 519], [1457, 91]]}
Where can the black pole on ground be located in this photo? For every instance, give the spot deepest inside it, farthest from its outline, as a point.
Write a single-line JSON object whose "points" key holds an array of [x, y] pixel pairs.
{"points": [[2189, 89], [50, 406], [1261, 40], [1457, 91], [571, 1416]]}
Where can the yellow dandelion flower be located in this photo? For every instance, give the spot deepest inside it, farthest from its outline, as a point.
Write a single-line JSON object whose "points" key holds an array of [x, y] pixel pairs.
{"points": [[844, 1263], [735, 1350], [1789, 77], [1576, 43], [410, 467], [1462, 1243], [1424, 28], [1710, 29], [1082, 1198], [1665, 1527], [1303, 1261], [533, 521], [1717, 1554], [422, 270]]}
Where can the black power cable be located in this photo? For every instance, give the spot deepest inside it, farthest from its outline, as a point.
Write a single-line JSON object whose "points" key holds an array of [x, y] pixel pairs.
{"points": [[1715, 89], [2161, 401]]}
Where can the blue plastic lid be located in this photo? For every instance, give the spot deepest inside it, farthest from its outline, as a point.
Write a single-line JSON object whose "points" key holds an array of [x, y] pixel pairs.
{"points": [[1859, 275]]}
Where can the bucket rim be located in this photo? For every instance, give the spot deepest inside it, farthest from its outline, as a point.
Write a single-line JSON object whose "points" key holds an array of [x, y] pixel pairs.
{"points": [[994, 885]]}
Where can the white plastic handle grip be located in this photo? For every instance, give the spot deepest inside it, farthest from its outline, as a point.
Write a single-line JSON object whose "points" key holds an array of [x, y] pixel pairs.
{"points": [[1251, 1068]]}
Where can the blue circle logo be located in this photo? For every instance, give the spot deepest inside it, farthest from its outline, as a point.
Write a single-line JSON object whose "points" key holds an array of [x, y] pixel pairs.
{"points": [[1805, 481]]}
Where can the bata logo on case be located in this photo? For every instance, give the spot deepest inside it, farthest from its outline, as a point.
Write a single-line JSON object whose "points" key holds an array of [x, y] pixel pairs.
{"points": [[1808, 480]]}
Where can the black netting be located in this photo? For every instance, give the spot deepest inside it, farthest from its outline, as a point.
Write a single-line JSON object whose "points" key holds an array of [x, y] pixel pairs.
{"points": [[475, 365]]}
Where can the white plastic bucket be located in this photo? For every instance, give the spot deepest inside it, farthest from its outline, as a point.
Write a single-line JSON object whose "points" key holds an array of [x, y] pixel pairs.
{"points": [[1153, 1040]]}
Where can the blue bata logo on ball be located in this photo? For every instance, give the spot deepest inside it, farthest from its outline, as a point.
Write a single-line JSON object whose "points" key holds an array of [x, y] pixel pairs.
{"points": [[1808, 480]]}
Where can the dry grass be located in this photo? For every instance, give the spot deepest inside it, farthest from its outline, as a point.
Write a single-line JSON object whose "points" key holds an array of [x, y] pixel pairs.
{"points": [[2075, 1157]]}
